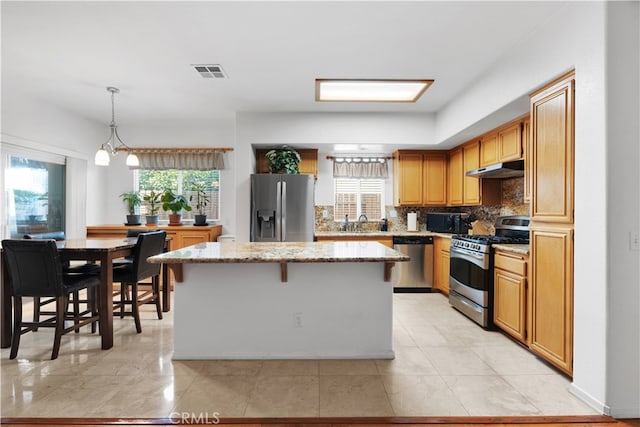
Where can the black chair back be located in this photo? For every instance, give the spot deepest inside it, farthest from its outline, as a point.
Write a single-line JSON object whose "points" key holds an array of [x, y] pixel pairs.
{"points": [[134, 232], [55, 235], [34, 267], [148, 244]]}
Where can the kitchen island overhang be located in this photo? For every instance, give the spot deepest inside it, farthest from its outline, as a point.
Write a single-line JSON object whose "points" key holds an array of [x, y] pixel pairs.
{"points": [[306, 300]]}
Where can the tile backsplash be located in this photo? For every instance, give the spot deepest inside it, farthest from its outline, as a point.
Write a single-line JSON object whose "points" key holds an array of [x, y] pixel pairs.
{"points": [[512, 204]]}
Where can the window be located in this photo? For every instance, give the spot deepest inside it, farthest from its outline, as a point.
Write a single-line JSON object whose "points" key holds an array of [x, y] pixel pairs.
{"points": [[355, 197], [180, 182], [35, 192]]}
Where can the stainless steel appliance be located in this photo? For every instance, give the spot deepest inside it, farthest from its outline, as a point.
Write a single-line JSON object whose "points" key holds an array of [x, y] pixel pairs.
{"points": [[282, 208], [471, 271], [457, 223], [417, 274]]}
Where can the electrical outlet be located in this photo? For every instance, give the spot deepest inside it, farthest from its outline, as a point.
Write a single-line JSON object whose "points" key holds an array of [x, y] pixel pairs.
{"points": [[297, 320], [325, 214], [393, 213], [634, 241]]}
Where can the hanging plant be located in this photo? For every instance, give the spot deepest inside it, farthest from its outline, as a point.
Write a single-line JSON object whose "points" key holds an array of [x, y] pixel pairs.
{"points": [[283, 160]]}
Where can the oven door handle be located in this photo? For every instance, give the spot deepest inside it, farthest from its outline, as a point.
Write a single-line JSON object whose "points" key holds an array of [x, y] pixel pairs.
{"points": [[479, 259]]}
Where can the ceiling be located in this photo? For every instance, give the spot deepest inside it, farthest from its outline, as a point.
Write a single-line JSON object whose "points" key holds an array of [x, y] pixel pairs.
{"points": [[66, 53]]}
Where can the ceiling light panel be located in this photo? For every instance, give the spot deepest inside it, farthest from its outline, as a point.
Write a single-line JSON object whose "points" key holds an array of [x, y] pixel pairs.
{"points": [[334, 90]]}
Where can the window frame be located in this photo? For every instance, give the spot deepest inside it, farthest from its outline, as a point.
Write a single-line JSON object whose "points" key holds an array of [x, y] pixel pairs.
{"points": [[379, 182]]}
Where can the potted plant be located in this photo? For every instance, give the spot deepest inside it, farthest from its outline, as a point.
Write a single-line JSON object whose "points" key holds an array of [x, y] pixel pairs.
{"points": [[132, 200], [283, 160], [174, 203], [202, 200], [153, 199]]}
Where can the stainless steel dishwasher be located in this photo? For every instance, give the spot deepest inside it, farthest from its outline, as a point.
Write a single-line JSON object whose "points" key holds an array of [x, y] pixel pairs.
{"points": [[415, 275]]}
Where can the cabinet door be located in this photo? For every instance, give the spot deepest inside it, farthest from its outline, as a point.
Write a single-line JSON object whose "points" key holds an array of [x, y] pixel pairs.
{"points": [[552, 159], [441, 264], [471, 186], [552, 294], [409, 176], [192, 237], [526, 147], [509, 311], [455, 181], [435, 179], [489, 150], [510, 143]]}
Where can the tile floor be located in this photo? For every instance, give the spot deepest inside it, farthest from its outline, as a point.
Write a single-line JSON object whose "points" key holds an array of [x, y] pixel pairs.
{"points": [[445, 365]]}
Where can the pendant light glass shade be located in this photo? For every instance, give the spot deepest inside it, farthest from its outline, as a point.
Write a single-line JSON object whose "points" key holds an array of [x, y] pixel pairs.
{"points": [[114, 143]]}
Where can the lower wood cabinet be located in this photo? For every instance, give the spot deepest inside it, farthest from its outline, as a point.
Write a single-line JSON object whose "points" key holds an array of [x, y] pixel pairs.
{"points": [[181, 236], [551, 294], [510, 293], [387, 241], [441, 255]]}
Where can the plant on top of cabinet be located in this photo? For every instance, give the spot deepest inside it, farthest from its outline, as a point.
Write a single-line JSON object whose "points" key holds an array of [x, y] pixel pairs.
{"points": [[153, 199], [175, 203], [283, 160], [202, 200], [132, 200]]}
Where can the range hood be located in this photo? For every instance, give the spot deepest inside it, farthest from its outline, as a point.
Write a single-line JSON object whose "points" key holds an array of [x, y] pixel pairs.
{"points": [[499, 170]]}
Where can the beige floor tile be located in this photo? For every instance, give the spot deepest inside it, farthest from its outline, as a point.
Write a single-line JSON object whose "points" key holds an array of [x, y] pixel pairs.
{"points": [[511, 359], [418, 395], [226, 395], [550, 394], [408, 361], [231, 367], [489, 395], [348, 367], [284, 396], [353, 396], [457, 361], [429, 335], [289, 367]]}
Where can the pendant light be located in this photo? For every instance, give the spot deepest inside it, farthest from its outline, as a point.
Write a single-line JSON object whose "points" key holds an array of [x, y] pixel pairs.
{"points": [[114, 143]]}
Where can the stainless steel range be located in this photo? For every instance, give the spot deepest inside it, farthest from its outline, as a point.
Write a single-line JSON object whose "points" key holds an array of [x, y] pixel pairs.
{"points": [[471, 273]]}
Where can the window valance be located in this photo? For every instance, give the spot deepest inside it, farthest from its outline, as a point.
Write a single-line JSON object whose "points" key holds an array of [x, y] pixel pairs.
{"points": [[180, 158], [360, 167]]}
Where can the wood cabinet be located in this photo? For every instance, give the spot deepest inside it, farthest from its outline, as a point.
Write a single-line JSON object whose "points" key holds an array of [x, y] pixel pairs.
{"points": [[455, 178], [387, 241], [552, 182], [526, 130], [441, 255], [470, 191], [551, 151], [551, 300], [502, 144], [308, 164], [181, 236], [420, 178], [510, 293]]}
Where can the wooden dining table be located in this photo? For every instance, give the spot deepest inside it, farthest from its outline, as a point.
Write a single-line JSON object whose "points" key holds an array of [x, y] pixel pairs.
{"points": [[103, 251]]}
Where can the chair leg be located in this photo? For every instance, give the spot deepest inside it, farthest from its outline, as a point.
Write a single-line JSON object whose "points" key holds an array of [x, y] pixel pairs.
{"points": [[61, 311], [17, 326], [124, 296], [76, 309], [92, 304], [156, 295], [36, 313], [134, 307]]}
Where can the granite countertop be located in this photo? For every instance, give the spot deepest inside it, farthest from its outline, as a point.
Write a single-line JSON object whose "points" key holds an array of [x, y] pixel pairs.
{"points": [[387, 234], [515, 248], [280, 252]]}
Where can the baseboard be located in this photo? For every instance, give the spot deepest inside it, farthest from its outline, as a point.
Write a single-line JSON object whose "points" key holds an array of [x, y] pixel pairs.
{"points": [[589, 400]]}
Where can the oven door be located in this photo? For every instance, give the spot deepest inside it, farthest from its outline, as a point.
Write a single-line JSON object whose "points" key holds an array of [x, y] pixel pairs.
{"points": [[470, 275]]}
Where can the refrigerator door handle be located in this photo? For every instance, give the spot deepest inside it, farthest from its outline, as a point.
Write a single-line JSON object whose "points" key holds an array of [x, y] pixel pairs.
{"points": [[283, 212], [278, 209]]}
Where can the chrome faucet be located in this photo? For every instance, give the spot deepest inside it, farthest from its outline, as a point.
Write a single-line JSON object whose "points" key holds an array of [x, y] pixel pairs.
{"points": [[362, 219]]}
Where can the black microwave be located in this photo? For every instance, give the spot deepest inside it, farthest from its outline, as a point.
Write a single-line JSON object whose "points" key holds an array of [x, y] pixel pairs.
{"points": [[456, 223]]}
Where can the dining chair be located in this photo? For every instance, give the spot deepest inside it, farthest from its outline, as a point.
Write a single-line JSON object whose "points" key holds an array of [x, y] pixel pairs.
{"points": [[67, 268], [45, 281], [130, 275]]}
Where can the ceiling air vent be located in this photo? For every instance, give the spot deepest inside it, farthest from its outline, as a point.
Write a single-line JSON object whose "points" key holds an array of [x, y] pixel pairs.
{"points": [[213, 71]]}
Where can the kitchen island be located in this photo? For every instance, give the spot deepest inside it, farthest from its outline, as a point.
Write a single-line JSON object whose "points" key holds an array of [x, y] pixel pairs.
{"points": [[303, 300]]}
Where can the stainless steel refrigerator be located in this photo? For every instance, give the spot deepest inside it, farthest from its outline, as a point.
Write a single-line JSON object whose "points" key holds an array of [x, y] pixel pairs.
{"points": [[282, 208]]}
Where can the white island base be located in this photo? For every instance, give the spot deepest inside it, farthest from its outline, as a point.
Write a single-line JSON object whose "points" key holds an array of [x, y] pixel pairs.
{"points": [[244, 311]]}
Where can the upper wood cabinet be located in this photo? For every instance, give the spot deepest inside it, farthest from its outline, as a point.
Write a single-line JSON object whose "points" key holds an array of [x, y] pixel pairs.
{"points": [[526, 137], [502, 145], [419, 178], [308, 164], [474, 191], [551, 152], [455, 177]]}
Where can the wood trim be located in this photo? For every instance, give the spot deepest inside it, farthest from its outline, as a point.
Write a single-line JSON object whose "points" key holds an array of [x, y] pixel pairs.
{"points": [[174, 149], [568, 75], [566, 421]]}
